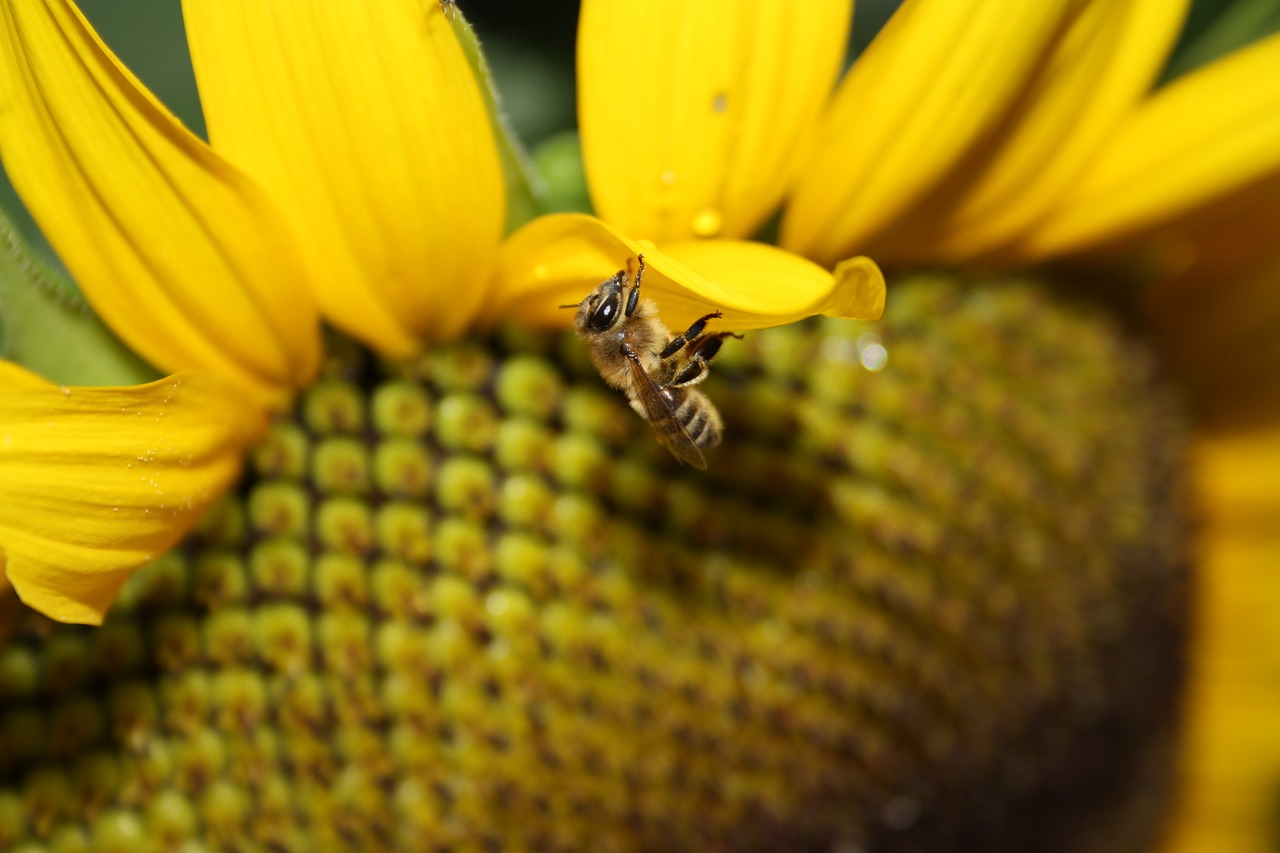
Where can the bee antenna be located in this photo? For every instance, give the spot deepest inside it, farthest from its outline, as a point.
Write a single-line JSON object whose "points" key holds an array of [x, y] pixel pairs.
{"points": [[574, 305]]}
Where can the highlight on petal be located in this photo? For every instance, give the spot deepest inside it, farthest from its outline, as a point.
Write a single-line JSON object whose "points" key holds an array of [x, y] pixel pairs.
{"points": [[95, 482], [1104, 64], [694, 115], [1202, 138], [933, 85], [178, 252], [365, 122], [556, 260]]}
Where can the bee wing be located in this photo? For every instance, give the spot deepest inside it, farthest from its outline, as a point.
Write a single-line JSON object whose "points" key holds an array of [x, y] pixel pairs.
{"points": [[660, 410]]}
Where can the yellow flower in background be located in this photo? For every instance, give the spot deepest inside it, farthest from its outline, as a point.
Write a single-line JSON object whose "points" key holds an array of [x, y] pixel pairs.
{"points": [[352, 175]]}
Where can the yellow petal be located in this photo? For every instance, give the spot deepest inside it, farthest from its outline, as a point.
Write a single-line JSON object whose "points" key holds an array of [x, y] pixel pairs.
{"points": [[556, 260], [758, 285], [934, 84], [694, 115], [178, 252], [1238, 474], [1232, 755], [95, 482], [1105, 64], [365, 123], [1207, 135]]}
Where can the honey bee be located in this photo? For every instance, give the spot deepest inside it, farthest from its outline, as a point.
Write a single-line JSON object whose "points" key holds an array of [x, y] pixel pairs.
{"points": [[635, 353]]}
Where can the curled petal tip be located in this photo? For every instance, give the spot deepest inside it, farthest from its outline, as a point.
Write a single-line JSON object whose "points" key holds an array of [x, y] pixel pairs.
{"points": [[556, 259], [859, 293]]}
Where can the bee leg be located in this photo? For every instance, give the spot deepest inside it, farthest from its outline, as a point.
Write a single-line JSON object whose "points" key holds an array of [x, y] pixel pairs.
{"points": [[688, 336], [693, 372], [634, 299], [700, 351], [707, 346]]}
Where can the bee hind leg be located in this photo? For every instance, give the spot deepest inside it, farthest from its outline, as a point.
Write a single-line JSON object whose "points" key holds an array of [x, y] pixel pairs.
{"points": [[700, 351]]}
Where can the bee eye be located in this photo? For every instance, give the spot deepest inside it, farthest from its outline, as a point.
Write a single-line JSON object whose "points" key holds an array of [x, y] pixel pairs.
{"points": [[602, 318]]}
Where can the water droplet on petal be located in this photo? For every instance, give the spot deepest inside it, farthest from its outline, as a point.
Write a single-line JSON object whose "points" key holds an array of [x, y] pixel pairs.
{"points": [[66, 392], [707, 222], [669, 177]]}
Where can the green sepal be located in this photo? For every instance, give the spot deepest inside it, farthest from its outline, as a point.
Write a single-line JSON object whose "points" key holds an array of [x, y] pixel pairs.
{"points": [[47, 327], [525, 190], [559, 161]]}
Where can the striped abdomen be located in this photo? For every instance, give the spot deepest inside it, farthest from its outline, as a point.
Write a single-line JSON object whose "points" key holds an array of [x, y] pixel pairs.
{"points": [[696, 414]]}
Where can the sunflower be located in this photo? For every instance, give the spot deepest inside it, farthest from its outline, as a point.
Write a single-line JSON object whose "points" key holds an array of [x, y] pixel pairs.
{"points": [[1003, 137], [221, 259], [985, 138]]}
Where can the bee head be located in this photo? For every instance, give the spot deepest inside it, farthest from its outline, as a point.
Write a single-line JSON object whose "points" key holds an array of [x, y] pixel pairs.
{"points": [[602, 309]]}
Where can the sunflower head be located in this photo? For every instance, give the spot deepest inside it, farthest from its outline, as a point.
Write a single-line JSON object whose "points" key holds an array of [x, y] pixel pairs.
{"points": [[451, 589]]}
